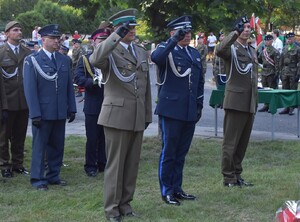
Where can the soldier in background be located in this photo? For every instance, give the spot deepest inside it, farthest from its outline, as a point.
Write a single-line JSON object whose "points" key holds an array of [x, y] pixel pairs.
{"points": [[290, 67], [90, 78], [218, 63], [269, 57], [203, 50], [77, 52]]}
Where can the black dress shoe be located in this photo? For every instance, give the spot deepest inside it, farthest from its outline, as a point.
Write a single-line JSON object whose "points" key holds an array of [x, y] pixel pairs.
{"points": [[115, 219], [285, 111], [7, 173], [42, 187], [170, 199], [264, 109], [131, 214], [184, 196], [231, 184], [59, 182], [91, 173], [242, 182], [21, 170]]}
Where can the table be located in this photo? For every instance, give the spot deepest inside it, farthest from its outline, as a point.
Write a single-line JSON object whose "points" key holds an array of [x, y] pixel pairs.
{"points": [[275, 98]]}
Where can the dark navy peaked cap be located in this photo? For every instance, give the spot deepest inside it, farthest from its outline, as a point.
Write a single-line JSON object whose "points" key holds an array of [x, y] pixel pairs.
{"points": [[183, 21], [50, 30]]}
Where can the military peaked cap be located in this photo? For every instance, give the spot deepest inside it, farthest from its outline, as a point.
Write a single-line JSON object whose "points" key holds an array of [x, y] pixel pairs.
{"points": [[268, 37], [183, 21], [50, 30], [124, 16]]}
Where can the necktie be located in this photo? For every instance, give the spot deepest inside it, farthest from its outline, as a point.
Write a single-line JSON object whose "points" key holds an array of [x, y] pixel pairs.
{"points": [[53, 59], [130, 51], [16, 51]]}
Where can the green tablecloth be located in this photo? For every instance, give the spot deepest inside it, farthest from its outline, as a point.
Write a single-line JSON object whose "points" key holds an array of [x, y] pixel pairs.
{"points": [[275, 98]]}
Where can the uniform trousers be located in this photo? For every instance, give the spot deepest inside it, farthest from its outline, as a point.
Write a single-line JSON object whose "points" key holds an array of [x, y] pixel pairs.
{"points": [[177, 136], [123, 150], [269, 81], [289, 82], [237, 130], [95, 156], [50, 139], [13, 133]]}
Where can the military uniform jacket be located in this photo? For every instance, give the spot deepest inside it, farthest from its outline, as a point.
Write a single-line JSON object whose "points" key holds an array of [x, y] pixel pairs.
{"points": [[93, 97], [50, 100], [241, 89], [179, 97], [3, 100], [270, 58], [202, 49], [218, 66], [13, 86], [290, 60], [126, 106]]}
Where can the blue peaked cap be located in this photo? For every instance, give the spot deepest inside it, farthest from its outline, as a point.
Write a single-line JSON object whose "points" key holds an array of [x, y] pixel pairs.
{"points": [[183, 21]]}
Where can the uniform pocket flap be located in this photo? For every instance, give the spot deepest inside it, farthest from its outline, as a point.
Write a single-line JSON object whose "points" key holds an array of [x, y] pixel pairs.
{"points": [[113, 101]]}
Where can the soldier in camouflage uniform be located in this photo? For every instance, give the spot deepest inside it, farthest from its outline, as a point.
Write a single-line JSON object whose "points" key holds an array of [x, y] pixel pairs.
{"points": [[218, 63], [290, 67], [269, 57], [202, 49], [77, 52]]}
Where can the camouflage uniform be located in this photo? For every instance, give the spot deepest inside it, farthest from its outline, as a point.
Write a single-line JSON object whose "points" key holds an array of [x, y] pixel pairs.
{"points": [[290, 70], [202, 49], [290, 66], [269, 57]]}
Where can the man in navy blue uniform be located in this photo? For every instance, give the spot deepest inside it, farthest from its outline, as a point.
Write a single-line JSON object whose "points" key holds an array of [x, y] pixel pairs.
{"points": [[50, 96], [90, 78], [180, 103]]}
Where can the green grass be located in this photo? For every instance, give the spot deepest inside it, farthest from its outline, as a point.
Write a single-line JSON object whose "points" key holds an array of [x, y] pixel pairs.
{"points": [[273, 166]]}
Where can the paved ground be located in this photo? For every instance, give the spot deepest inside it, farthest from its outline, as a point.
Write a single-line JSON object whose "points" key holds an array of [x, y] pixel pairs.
{"points": [[285, 128]]}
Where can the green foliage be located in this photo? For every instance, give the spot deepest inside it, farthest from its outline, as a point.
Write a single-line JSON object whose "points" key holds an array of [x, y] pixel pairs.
{"points": [[29, 20], [271, 165]]}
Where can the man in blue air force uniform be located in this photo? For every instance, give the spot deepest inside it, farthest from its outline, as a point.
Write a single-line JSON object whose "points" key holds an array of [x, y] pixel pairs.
{"points": [[50, 96], [180, 103]]}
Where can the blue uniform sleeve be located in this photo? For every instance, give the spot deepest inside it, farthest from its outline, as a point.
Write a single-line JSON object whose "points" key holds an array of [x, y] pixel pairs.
{"points": [[160, 54], [31, 88], [82, 76]]}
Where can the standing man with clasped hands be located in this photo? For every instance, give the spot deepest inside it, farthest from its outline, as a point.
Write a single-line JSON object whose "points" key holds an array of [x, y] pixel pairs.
{"points": [[180, 103], [50, 96], [126, 111], [240, 101]]}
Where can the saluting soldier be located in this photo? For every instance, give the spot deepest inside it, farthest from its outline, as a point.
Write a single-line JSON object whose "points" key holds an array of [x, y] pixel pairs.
{"points": [[50, 95], [203, 50], [218, 63], [90, 78], [240, 100], [13, 130], [269, 58], [290, 67], [180, 103], [126, 111]]}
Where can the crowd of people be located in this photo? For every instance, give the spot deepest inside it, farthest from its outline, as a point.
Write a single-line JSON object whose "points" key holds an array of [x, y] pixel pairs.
{"points": [[114, 73]]}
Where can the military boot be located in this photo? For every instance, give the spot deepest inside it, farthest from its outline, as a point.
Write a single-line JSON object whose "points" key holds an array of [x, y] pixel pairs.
{"points": [[291, 111], [285, 111], [265, 108]]}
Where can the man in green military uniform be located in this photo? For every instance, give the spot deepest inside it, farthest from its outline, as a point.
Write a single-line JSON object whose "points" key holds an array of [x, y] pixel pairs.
{"points": [[218, 63], [13, 130], [202, 49], [269, 57], [126, 111], [290, 67], [240, 100]]}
